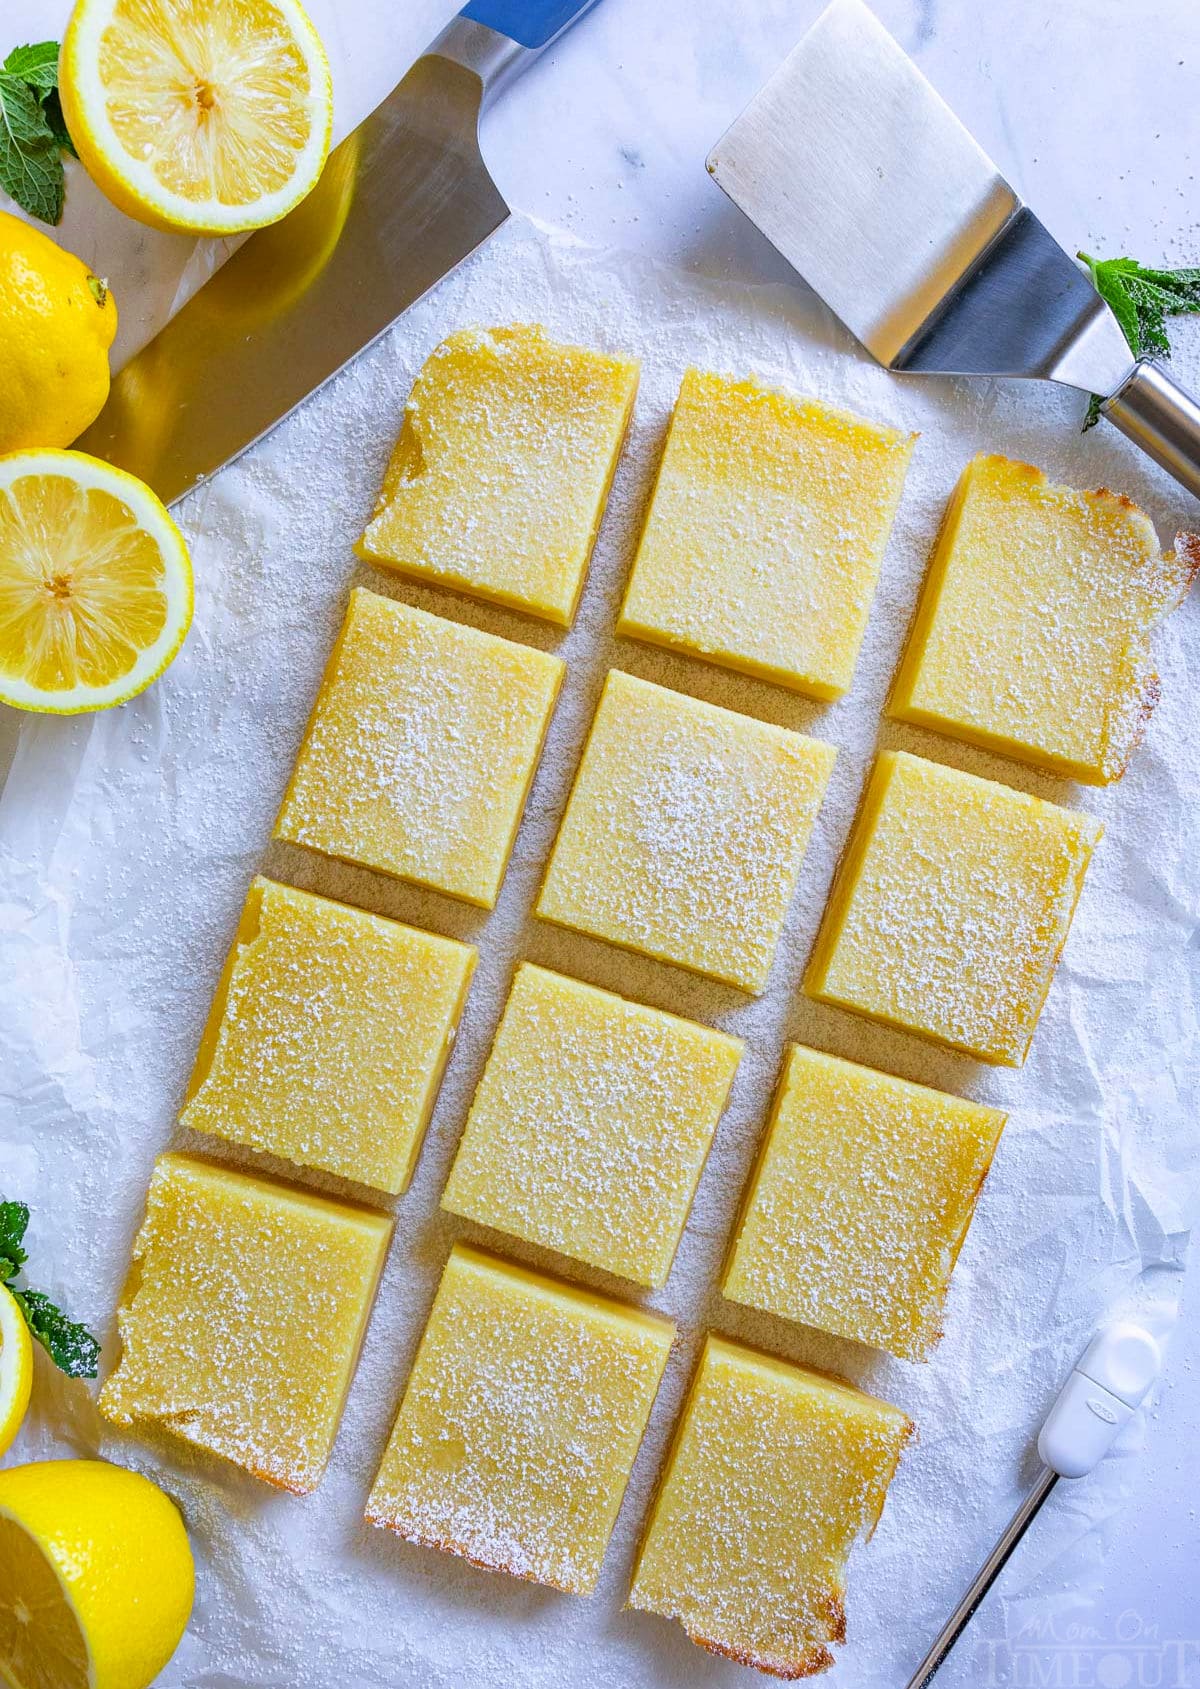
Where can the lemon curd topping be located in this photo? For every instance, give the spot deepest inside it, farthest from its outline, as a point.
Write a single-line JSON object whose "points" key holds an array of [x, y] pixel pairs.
{"points": [[591, 1124], [764, 537], [685, 831], [243, 1316], [951, 907], [863, 1191], [328, 1035], [774, 1473], [498, 480], [520, 1422], [421, 748]]}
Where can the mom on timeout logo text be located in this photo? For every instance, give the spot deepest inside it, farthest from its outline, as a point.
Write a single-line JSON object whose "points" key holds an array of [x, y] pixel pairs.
{"points": [[1067, 1654]]}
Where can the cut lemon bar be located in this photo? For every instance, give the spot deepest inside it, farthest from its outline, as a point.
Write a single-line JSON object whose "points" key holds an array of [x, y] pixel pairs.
{"points": [[591, 1124], [328, 1035], [863, 1192], [685, 831], [520, 1422], [498, 481], [421, 748], [775, 1471], [1033, 633], [763, 542], [951, 907], [243, 1316]]}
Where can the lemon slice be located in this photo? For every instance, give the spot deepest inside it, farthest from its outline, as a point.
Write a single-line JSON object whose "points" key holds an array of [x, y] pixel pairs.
{"points": [[206, 116], [95, 583], [96, 1577], [16, 1368]]}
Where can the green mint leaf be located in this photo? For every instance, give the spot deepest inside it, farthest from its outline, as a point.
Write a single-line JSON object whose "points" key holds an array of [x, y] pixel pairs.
{"points": [[30, 162], [1108, 278], [57, 123], [14, 1218], [1141, 299], [1182, 285], [37, 65], [70, 1346]]}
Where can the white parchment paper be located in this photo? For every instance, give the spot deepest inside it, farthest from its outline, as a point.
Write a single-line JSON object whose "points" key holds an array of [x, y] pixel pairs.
{"points": [[126, 846]]}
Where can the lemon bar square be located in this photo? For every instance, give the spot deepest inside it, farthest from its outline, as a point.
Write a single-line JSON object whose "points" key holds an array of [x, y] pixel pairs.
{"points": [[863, 1192], [243, 1316], [591, 1123], [328, 1036], [421, 748], [685, 831], [520, 1422], [1032, 637], [774, 1472], [498, 480], [951, 907], [763, 541]]}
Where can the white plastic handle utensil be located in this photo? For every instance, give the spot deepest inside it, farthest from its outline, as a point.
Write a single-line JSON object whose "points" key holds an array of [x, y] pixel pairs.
{"points": [[1107, 1385], [1109, 1381]]}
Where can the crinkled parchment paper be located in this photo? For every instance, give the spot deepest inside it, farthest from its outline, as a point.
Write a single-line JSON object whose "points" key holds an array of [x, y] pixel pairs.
{"points": [[126, 846]]}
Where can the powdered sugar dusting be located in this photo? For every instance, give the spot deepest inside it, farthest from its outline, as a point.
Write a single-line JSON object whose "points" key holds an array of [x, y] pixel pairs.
{"points": [[519, 1424], [506, 449], [591, 1124], [327, 1046], [864, 1191], [128, 844], [1037, 624], [421, 748], [685, 831], [953, 906]]}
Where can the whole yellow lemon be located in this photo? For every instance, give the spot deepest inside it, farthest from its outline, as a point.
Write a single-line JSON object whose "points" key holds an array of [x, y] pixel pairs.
{"points": [[57, 322]]}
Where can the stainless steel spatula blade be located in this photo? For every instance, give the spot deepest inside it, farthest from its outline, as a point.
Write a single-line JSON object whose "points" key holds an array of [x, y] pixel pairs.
{"points": [[402, 201], [860, 174]]}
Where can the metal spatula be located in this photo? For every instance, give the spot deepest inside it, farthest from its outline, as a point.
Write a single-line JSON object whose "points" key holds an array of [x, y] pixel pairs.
{"points": [[865, 180]]}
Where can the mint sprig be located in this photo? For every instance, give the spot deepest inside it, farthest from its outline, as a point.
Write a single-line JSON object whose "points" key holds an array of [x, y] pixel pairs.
{"points": [[33, 133], [1141, 300], [70, 1346]]}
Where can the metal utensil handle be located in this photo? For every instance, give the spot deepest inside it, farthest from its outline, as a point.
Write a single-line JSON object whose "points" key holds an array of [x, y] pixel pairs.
{"points": [[498, 39], [1162, 418], [531, 23], [984, 1578]]}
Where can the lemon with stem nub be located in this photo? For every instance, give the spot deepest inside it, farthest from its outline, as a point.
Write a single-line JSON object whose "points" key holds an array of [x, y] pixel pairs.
{"points": [[95, 583], [57, 322], [96, 1577], [203, 116]]}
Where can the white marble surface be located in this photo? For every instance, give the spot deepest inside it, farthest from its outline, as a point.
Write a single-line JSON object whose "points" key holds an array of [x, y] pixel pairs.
{"points": [[1092, 108]]}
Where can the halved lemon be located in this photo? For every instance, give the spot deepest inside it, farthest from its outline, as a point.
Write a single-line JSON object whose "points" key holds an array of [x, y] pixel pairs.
{"points": [[96, 1577], [95, 583], [16, 1368], [205, 116]]}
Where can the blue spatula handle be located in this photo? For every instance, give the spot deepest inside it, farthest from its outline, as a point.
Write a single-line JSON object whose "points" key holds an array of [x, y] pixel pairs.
{"points": [[530, 23]]}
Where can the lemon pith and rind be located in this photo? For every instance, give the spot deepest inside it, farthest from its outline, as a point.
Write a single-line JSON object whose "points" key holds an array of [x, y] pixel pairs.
{"points": [[95, 583], [198, 116], [96, 1577], [16, 1368]]}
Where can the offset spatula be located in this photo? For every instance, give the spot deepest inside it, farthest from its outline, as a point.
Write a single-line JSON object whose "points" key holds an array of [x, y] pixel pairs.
{"points": [[865, 180], [401, 202]]}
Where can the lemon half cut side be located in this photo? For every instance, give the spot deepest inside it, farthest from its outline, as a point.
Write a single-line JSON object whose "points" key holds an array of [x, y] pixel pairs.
{"points": [[96, 1577], [201, 116], [95, 583]]}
